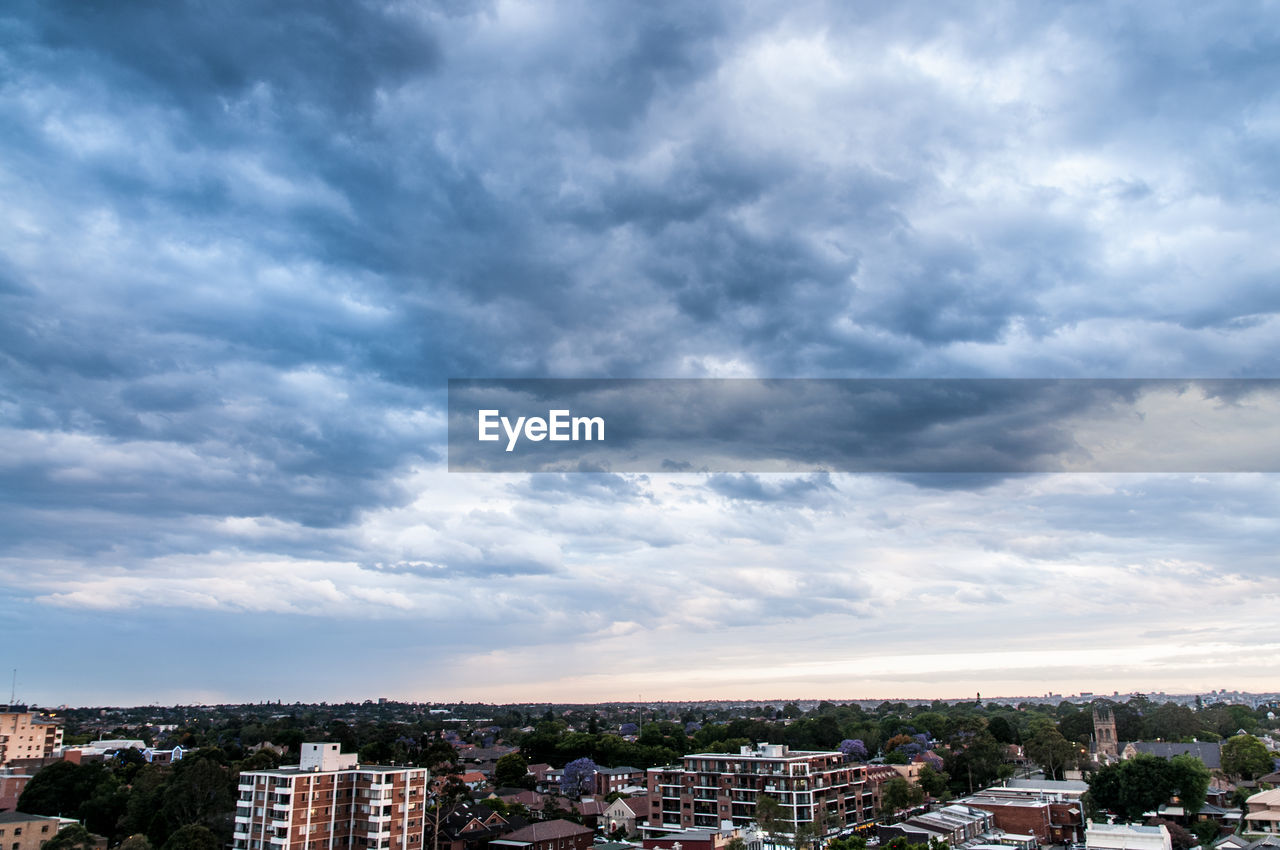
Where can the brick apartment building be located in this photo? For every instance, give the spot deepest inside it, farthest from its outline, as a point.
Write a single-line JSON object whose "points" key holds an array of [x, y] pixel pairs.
{"points": [[608, 780], [709, 790], [27, 735], [329, 802], [1049, 810]]}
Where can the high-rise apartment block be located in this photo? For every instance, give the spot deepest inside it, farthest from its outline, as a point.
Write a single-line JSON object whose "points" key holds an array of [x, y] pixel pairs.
{"points": [[713, 790], [329, 802], [27, 735]]}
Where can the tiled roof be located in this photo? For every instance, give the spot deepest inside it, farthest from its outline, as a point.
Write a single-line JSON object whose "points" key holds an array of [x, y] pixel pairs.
{"points": [[548, 831]]}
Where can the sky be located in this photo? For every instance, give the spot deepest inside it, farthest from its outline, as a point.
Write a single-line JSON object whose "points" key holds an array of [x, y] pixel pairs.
{"points": [[244, 247]]}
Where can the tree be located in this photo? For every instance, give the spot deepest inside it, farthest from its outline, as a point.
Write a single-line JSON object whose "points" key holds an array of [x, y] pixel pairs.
{"points": [[933, 783], [200, 793], [1181, 838], [1244, 756], [510, 770], [1206, 831], [1145, 782], [137, 841], [898, 794], [854, 749], [853, 842], [71, 837], [1190, 780], [193, 836], [1049, 749], [62, 788], [578, 776], [975, 759], [1002, 730], [770, 817]]}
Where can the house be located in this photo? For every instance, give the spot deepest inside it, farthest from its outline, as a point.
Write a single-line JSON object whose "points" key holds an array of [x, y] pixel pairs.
{"points": [[155, 756], [548, 835], [470, 826], [1209, 753], [625, 814], [1264, 813]]}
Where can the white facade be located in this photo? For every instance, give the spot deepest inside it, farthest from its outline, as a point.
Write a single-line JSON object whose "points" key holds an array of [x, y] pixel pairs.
{"points": [[326, 757], [1123, 836]]}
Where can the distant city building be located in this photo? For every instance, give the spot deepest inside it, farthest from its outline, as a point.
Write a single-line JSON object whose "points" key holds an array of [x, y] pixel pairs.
{"points": [[27, 735], [711, 790], [328, 801]]}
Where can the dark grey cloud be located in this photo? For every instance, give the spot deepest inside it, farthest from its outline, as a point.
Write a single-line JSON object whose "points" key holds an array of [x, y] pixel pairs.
{"points": [[752, 488], [915, 426]]}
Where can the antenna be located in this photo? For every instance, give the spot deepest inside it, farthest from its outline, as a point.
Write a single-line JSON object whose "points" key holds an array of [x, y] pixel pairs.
{"points": [[13, 694]]}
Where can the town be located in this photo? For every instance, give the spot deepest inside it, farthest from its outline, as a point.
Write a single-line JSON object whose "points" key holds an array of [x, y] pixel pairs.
{"points": [[1131, 772]]}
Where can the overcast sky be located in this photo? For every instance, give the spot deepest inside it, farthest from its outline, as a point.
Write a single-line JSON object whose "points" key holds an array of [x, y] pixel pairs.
{"points": [[244, 246]]}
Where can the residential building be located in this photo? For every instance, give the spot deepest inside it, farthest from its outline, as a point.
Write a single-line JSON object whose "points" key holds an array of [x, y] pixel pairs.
{"points": [[470, 826], [328, 801], [155, 756], [12, 783], [1052, 820], [1123, 836], [626, 814], [617, 779], [1207, 752], [547, 835], [702, 839], [955, 824], [27, 735], [21, 831], [1264, 812], [710, 790]]}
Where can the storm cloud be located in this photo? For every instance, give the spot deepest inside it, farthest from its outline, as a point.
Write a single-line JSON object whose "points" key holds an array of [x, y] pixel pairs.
{"points": [[243, 249]]}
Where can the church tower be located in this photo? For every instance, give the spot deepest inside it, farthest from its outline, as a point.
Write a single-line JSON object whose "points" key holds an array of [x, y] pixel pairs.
{"points": [[1104, 731]]}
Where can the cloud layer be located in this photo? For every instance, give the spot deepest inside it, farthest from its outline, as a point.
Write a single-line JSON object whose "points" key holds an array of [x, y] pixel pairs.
{"points": [[242, 249]]}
